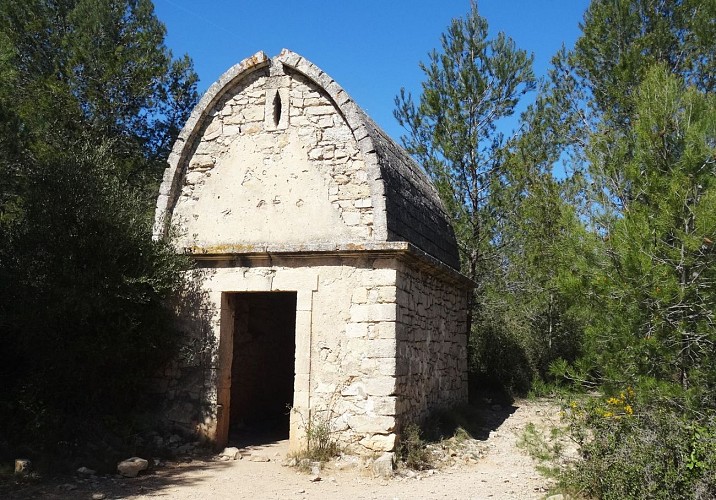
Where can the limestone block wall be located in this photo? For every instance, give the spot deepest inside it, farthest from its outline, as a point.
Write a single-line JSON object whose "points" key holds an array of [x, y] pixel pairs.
{"points": [[274, 146], [431, 334], [345, 347]]}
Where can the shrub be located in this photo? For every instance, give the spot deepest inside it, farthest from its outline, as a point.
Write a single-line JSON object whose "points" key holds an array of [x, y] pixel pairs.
{"points": [[413, 450], [320, 443], [84, 302], [636, 449]]}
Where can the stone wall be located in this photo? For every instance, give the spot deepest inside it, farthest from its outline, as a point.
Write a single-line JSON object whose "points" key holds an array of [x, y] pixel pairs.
{"points": [[275, 147], [186, 387], [345, 347], [431, 332], [379, 342], [240, 108]]}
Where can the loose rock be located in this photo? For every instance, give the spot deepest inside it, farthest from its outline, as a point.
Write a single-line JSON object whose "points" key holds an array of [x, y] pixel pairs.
{"points": [[23, 466], [132, 466], [383, 465], [232, 453]]}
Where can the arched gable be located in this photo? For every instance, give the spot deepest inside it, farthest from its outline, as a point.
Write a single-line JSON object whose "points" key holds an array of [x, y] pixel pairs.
{"points": [[382, 196]]}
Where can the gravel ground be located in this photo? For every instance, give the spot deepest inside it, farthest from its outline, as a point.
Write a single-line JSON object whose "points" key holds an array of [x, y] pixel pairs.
{"points": [[491, 466]]}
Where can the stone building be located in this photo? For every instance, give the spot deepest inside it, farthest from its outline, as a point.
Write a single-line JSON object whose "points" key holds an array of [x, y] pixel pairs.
{"points": [[329, 267]]}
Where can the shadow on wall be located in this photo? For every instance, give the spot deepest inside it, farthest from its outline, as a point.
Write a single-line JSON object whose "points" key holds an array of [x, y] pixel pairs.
{"points": [[185, 382]]}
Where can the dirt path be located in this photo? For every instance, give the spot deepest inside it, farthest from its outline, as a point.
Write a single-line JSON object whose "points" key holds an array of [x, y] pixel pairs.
{"points": [[501, 471]]}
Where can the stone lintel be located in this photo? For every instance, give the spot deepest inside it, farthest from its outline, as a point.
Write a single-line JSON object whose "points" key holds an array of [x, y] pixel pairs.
{"points": [[262, 254]]}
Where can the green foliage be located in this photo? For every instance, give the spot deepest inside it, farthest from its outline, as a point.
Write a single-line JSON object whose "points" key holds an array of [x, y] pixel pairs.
{"points": [[604, 279], [520, 239], [545, 449], [633, 446], [645, 71], [86, 69], [413, 449], [320, 443], [658, 287], [510, 218], [90, 100], [469, 86], [622, 39]]}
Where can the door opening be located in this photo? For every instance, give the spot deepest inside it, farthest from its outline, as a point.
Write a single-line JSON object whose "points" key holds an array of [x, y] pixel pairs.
{"points": [[262, 367]]}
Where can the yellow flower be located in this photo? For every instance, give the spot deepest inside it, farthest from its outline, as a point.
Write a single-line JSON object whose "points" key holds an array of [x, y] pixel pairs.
{"points": [[629, 410]]}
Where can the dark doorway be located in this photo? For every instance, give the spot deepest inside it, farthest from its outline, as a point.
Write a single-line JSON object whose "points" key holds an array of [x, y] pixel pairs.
{"points": [[262, 368]]}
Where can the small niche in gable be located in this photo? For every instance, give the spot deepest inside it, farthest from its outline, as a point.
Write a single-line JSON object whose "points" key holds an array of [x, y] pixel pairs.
{"points": [[277, 109]]}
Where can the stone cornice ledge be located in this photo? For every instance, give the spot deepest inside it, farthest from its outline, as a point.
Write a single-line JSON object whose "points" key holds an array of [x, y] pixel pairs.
{"points": [[401, 249]]}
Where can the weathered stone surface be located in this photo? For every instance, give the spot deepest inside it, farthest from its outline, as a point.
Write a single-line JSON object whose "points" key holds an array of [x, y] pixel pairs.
{"points": [[294, 160], [432, 344], [411, 212], [379, 442], [132, 466], [376, 424], [373, 312], [355, 389], [23, 466], [384, 465], [279, 182], [357, 330], [232, 453], [381, 386]]}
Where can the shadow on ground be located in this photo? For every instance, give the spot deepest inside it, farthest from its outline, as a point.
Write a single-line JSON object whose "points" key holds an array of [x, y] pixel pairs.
{"points": [[260, 433], [172, 474], [491, 417], [478, 419]]}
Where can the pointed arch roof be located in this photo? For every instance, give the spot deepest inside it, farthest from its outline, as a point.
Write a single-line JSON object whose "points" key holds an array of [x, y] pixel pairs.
{"points": [[406, 205]]}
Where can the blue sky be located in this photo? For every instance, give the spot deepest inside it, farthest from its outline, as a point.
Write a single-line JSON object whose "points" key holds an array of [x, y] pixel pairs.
{"points": [[370, 47]]}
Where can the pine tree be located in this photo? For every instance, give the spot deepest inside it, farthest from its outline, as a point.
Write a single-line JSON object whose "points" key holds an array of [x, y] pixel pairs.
{"points": [[661, 278], [621, 40], [469, 87], [471, 84], [604, 77]]}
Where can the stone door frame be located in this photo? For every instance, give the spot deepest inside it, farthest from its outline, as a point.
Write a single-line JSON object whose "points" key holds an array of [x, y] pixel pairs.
{"points": [[300, 411]]}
